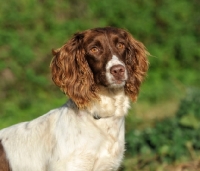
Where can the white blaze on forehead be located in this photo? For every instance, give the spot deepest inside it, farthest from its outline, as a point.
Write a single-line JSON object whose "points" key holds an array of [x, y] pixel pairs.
{"points": [[114, 57], [114, 61]]}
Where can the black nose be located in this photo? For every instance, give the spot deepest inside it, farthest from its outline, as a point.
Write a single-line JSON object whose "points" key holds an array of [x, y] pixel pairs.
{"points": [[117, 70]]}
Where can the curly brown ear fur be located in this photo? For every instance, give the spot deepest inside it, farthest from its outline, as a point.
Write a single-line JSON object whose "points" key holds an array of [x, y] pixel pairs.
{"points": [[70, 71], [137, 66]]}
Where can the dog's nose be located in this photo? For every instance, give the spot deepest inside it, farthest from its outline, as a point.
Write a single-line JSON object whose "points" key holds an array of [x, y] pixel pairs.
{"points": [[117, 70]]}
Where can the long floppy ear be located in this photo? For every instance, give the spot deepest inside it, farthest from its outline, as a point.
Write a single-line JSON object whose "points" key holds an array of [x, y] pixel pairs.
{"points": [[137, 66], [71, 72]]}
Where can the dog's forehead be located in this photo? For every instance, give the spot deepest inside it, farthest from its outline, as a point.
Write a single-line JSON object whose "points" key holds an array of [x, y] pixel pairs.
{"points": [[103, 34]]}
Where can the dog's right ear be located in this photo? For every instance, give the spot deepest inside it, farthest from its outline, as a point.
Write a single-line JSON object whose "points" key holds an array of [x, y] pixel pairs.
{"points": [[71, 72]]}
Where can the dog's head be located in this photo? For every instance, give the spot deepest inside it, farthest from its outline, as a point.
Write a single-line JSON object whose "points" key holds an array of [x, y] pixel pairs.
{"points": [[108, 57]]}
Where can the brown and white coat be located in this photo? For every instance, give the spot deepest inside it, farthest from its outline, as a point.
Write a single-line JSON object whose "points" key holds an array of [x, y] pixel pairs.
{"points": [[100, 70]]}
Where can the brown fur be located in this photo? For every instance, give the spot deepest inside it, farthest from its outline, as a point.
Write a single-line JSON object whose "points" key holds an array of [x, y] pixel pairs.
{"points": [[4, 165], [137, 65], [73, 71]]}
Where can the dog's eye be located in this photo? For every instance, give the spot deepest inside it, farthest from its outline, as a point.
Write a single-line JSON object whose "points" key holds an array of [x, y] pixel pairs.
{"points": [[94, 50], [120, 45]]}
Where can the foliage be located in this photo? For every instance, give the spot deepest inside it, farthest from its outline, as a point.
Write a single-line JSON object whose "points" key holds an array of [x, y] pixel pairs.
{"points": [[171, 139], [170, 30], [30, 29]]}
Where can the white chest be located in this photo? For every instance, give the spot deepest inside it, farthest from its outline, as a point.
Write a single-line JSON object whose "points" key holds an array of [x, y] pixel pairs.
{"points": [[99, 147]]}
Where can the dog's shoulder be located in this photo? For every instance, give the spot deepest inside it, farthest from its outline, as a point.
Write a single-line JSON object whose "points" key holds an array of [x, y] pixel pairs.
{"points": [[38, 124]]}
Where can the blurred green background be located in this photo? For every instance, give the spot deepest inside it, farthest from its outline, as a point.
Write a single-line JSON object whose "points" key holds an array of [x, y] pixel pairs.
{"points": [[163, 127]]}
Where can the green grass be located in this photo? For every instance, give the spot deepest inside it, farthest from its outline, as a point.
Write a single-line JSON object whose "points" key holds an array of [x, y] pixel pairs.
{"points": [[167, 142], [20, 110]]}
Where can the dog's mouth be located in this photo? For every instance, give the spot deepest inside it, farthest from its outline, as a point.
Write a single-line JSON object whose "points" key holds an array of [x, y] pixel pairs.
{"points": [[117, 83]]}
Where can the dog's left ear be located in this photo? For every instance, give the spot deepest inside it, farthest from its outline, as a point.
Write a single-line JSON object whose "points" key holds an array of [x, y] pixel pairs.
{"points": [[137, 66], [71, 72]]}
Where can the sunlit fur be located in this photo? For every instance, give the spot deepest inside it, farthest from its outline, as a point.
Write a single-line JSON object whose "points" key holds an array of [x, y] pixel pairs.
{"points": [[137, 66], [71, 72]]}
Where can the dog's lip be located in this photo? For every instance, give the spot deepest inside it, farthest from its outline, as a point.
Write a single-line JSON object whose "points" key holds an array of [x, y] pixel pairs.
{"points": [[118, 83]]}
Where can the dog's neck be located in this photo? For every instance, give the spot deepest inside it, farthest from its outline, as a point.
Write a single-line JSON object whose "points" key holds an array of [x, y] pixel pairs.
{"points": [[112, 103]]}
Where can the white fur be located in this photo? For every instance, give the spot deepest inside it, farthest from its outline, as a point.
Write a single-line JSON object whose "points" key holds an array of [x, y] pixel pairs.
{"points": [[68, 139], [110, 78]]}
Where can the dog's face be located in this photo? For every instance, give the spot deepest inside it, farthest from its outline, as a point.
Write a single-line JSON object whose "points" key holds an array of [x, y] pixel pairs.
{"points": [[105, 52], [108, 57]]}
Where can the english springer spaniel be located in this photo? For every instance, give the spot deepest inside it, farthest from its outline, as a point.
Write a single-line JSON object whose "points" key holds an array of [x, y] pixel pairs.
{"points": [[100, 70]]}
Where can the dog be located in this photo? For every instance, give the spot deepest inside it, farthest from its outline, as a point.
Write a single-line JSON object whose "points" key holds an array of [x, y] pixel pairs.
{"points": [[100, 70]]}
